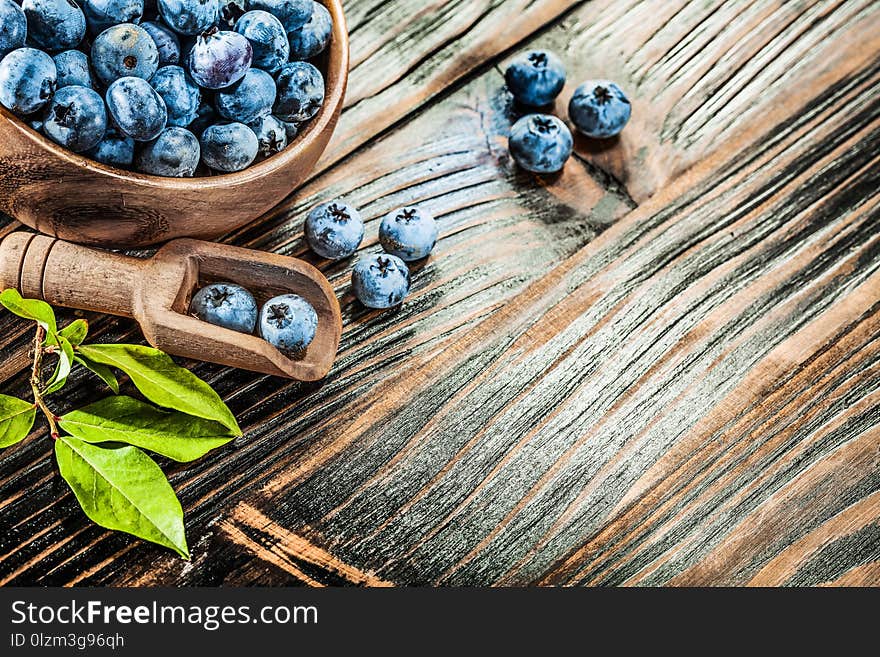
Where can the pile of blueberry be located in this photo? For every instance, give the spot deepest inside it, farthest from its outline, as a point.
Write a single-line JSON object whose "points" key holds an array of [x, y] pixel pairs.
{"points": [[333, 230], [540, 142], [164, 85]]}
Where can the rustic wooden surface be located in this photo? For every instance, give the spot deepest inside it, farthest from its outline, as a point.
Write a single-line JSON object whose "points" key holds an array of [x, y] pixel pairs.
{"points": [[660, 367]]}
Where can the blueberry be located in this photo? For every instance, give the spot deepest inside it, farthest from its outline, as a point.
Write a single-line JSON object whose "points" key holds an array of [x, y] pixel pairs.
{"points": [[409, 233], [271, 134], [101, 14], [219, 59], [289, 323], [115, 149], [535, 78], [599, 109], [13, 27], [189, 17], [248, 99], [540, 143], [125, 50], [227, 305], [76, 118], [229, 147], [27, 80], [54, 25], [312, 38], [175, 153], [231, 11], [334, 230], [137, 108], [380, 281], [293, 14], [206, 116], [182, 96], [167, 42], [300, 92], [35, 124], [268, 39], [72, 68]]}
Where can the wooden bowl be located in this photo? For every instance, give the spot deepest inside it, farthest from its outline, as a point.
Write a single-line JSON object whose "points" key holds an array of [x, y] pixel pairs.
{"points": [[69, 196]]}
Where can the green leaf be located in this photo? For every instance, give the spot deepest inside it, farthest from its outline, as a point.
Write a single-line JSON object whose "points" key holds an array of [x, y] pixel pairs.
{"points": [[38, 311], [102, 371], [16, 419], [75, 332], [123, 489], [62, 369], [163, 382], [170, 433]]}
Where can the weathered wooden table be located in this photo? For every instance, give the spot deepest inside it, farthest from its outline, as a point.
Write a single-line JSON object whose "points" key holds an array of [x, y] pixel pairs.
{"points": [[660, 367]]}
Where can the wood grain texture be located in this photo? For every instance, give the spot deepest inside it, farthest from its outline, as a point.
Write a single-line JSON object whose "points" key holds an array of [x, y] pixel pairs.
{"points": [[579, 392]]}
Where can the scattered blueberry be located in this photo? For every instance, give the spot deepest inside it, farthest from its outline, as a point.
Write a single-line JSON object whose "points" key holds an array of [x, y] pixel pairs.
{"points": [[54, 25], [380, 281], [76, 118], [300, 92], [599, 109], [227, 305], [219, 59], [334, 230], [122, 51], [189, 17], [289, 323], [268, 39], [101, 14], [27, 80], [137, 109], [229, 147], [115, 149], [540, 143], [248, 99], [182, 96], [293, 14], [409, 233], [72, 68], [174, 153], [271, 134], [167, 42], [535, 78], [206, 116], [13, 27], [311, 39]]}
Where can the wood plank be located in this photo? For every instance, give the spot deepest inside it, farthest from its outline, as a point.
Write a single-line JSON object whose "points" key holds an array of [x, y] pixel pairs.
{"points": [[451, 448]]}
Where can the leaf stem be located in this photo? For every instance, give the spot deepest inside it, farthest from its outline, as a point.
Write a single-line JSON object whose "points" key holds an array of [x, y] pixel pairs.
{"points": [[37, 382]]}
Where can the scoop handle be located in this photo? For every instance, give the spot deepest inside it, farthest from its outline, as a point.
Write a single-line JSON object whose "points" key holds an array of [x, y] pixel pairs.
{"points": [[70, 275]]}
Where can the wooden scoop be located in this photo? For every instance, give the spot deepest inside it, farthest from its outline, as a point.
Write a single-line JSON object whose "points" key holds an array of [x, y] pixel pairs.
{"points": [[156, 292]]}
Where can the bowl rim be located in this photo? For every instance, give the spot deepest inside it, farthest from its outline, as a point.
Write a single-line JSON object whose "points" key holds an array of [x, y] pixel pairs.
{"points": [[335, 83]]}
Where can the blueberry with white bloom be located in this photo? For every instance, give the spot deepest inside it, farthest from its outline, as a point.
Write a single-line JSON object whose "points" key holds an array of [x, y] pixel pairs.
{"points": [[76, 118], [380, 281], [300, 92], [182, 96], [13, 27], [334, 230], [174, 153], [409, 233], [27, 80], [227, 305], [249, 99], [289, 323], [599, 109]]}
